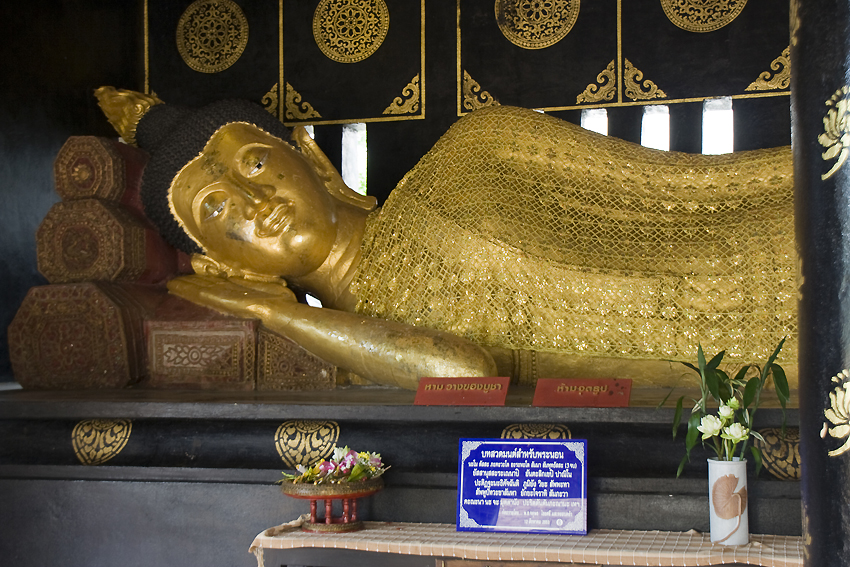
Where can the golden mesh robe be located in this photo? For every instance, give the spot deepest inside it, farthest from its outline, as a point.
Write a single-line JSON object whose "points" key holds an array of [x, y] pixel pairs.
{"points": [[523, 232]]}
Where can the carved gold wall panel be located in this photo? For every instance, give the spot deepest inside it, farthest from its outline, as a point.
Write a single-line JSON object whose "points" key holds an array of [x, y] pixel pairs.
{"points": [[211, 35], [348, 31], [535, 24], [702, 16], [304, 442], [95, 441]]}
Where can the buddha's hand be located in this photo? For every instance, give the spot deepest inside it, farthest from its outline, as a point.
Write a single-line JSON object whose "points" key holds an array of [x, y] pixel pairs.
{"points": [[234, 296]]}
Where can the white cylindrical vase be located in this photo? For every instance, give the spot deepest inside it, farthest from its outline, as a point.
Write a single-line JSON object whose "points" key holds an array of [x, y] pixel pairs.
{"points": [[727, 501]]}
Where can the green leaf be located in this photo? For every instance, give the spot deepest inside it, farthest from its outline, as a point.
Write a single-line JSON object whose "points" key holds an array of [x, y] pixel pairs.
{"points": [[700, 358], [757, 458], [682, 463], [664, 401], [677, 416], [691, 366], [758, 436], [715, 362], [358, 471], [724, 385], [742, 374], [750, 391], [781, 383], [693, 433], [772, 358], [713, 382]]}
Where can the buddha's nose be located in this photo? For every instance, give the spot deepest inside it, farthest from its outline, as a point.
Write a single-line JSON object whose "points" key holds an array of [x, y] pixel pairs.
{"points": [[256, 197]]}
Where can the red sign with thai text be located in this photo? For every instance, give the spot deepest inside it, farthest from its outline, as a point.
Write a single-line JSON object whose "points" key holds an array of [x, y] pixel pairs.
{"points": [[462, 391], [583, 393]]}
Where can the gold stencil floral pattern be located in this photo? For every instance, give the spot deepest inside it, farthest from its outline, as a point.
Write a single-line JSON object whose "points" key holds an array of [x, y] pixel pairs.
{"points": [[95, 441], [535, 24], [348, 31], [536, 431], [836, 134], [303, 442], [838, 413], [701, 16], [211, 35]]}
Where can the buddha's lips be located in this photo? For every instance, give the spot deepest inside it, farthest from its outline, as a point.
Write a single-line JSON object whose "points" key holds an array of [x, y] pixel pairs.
{"points": [[275, 222]]}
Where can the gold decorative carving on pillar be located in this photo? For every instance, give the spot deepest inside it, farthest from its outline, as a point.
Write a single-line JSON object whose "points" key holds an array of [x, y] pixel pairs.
{"points": [[348, 31], [303, 441], [474, 97], [779, 76], [536, 431], [780, 454], [95, 441], [700, 16], [270, 100], [536, 24], [604, 89], [638, 88], [838, 413], [211, 35], [836, 135], [297, 109], [408, 102]]}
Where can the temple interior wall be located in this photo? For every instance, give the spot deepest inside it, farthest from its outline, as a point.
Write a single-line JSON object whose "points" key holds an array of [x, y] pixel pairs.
{"points": [[55, 53]]}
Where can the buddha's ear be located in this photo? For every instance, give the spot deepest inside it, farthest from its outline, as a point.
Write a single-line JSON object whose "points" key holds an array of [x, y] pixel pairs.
{"points": [[329, 174]]}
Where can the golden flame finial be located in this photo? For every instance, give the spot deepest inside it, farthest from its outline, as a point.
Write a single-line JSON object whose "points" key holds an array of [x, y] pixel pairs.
{"points": [[124, 109]]}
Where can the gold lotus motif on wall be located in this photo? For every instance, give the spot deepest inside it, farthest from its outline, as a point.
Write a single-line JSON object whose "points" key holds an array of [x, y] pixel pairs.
{"points": [[303, 442], [95, 441]]}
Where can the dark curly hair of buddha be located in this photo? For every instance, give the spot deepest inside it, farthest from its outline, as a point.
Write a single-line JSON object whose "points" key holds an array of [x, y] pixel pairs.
{"points": [[174, 136]]}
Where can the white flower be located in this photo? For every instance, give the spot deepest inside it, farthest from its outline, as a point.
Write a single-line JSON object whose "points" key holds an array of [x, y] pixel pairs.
{"points": [[339, 453], [733, 403], [726, 412], [735, 433], [710, 426]]}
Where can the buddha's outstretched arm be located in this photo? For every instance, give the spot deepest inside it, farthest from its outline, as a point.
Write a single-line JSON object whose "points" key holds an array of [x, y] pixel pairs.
{"points": [[384, 352]]}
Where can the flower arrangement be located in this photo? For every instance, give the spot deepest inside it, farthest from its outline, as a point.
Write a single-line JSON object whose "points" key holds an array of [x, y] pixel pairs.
{"points": [[345, 465], [728, 433]]}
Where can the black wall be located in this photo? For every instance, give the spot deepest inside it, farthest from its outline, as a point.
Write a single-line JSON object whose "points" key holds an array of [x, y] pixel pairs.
{"points": [[53, 54]]}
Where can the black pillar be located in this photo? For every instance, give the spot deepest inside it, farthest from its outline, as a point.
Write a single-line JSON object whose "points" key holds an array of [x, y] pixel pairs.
{"points": [[820, 62]]}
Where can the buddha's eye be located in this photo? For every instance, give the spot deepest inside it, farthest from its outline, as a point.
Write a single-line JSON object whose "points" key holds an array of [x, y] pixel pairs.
{"points": [[213, 205], [255, 161]]}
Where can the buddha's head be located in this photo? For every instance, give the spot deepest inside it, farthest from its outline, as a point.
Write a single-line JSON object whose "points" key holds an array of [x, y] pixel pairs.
{"points": [[222, 181]]}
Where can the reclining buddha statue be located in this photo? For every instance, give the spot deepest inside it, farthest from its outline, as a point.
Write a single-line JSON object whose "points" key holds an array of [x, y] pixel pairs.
{"points": [[519, 244]]}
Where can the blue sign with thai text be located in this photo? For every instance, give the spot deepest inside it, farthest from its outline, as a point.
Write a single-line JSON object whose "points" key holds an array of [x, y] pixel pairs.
{"points": [[522, 485]]}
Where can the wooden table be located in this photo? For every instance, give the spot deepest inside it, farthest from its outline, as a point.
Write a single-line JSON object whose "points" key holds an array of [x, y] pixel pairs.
{"points": [[599, 547]]}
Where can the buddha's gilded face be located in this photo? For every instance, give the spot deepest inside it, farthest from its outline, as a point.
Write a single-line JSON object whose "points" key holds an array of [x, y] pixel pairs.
{"points": [[253, 202]]}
